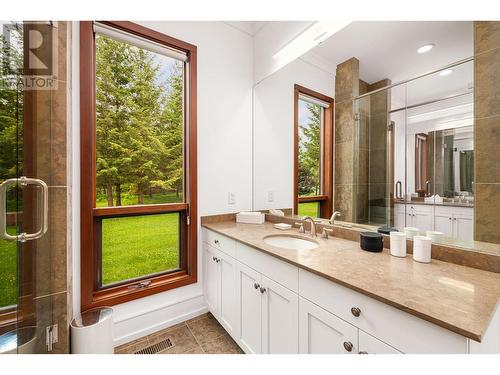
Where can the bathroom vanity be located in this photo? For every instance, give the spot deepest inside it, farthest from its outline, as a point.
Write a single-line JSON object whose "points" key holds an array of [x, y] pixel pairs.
{"points": [[336, 298], [456, 222]]}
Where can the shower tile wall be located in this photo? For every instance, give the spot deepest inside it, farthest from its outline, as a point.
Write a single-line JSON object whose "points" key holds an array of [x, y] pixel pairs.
{"points": [[51, 252], [487, 130]]}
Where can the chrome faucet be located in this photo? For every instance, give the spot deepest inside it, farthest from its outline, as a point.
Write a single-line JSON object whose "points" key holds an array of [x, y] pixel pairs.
{"points": [[313, 225], [334, 216]]}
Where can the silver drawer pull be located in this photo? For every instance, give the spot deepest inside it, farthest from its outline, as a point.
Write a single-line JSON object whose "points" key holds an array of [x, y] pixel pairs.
{"points": [[356, 311], [348, 346], [43, 211], [256, 286], [216, 242], [262, 290]]}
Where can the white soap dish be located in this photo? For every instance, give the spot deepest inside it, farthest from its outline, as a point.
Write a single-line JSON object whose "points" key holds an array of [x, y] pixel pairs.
{"points": [[282, 226]]}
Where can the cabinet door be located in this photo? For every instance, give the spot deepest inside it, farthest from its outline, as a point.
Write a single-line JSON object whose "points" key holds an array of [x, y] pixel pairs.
{"points": [[463, 227], [443, 222], [321, 332], [227, 292], [370, 345], [422, 220], [211, 280], [399, 220], [249, 306], [280, 319]]}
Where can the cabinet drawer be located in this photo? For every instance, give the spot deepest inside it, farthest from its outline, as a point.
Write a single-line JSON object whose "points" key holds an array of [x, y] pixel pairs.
{"points": [[420, 208], [370, 345], [403, 331], [220, 242], [275, 269]]}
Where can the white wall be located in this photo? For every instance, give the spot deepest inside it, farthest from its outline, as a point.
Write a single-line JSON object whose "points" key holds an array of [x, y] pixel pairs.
{"points": [[273, 129], [225, 78], [270, 39]]}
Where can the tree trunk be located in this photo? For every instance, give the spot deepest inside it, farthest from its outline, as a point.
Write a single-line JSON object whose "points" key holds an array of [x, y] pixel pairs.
{"points": [[109, 194], [140, 197], [118, 188]]}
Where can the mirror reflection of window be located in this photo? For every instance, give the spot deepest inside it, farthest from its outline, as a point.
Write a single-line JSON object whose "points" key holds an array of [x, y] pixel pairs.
{"points": [[313, 153], [310, 130]]}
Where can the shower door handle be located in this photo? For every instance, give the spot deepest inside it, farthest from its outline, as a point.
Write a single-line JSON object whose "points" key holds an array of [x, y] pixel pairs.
{"points": [[399, 194], [43, 209]]}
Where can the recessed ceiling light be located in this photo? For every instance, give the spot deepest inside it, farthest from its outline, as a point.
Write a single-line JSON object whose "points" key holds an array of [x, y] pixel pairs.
{"points": [[425, 48], [445, 72]]}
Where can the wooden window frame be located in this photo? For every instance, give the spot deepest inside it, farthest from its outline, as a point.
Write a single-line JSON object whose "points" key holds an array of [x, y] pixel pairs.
{"points": [[422, 160], [325, 200], [91, 295]]}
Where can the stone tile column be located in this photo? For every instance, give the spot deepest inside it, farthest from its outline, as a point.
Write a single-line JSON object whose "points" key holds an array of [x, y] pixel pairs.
{"points": [[346, 88], [487, 131]]}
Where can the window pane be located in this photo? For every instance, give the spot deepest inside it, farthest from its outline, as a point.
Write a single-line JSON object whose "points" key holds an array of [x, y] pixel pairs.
{"points": [[309, 209], [139, 125], [138, 246], [310, 118]]}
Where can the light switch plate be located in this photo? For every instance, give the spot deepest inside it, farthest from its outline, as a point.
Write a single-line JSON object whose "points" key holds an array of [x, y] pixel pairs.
{"points": [[231, 197], [270, 196]]}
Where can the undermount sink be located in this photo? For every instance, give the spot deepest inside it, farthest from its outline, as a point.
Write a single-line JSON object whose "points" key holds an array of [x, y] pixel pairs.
{"points": [[290, 242]]}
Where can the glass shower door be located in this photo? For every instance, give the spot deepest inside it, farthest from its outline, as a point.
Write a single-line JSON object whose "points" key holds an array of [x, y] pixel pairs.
{"points": [[25, 316]]}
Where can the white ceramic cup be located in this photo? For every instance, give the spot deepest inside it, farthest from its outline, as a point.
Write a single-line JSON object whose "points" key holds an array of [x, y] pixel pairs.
{"points": [[435, 235], [398, 244], [411, 232], [422, 247]]}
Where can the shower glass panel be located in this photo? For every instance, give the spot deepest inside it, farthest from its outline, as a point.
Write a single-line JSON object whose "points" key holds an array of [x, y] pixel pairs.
{"points": [[373, 160], [413, 158], [29, 89], [440, 124]]}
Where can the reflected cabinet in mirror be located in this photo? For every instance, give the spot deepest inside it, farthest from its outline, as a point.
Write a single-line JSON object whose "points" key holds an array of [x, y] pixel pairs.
{"points": [[378, 136]]}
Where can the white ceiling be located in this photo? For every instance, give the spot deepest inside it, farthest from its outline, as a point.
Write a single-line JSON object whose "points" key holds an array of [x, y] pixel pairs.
{"points": [[388, 49], [248, 27]]}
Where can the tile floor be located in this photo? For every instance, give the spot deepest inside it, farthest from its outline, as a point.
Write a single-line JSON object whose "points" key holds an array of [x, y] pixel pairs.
{"points": [[200, 335]]}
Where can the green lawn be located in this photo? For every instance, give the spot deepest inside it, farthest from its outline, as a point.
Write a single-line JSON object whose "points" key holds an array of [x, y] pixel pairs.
{"points": [[309, 209], [8, 271], [139, 245]]}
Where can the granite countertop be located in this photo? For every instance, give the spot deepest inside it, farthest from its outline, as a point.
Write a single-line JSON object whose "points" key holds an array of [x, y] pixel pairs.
{"points": [[449, 204], [458, 298]]}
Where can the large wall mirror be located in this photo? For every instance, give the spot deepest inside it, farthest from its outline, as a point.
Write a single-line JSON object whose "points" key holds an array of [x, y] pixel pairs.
{"points": [[400, 150]]}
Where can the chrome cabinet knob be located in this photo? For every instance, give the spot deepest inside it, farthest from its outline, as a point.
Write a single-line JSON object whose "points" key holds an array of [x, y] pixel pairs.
{"points": [[256, 286], [363, 352], [217, 260], [214, 259], [348, 346], [356, 311], [216, 242], [262, 290]]}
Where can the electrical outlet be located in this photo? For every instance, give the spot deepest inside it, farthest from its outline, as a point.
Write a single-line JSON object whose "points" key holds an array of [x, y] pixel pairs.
{"points": [[270, 196], [231, 197]]}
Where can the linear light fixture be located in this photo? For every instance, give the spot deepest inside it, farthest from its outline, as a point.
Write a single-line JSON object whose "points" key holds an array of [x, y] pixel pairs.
{"points": [[309, 38]]}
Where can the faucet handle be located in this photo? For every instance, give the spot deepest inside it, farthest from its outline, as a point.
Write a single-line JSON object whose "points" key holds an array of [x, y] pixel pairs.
{"points": [[301, 228], [325, 232]]}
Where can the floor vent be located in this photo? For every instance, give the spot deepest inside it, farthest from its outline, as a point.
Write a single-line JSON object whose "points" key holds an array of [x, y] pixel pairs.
{"points": [[156, 348]]}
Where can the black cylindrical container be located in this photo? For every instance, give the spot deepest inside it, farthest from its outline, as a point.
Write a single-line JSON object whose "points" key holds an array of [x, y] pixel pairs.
{"points": [[371, 241]]}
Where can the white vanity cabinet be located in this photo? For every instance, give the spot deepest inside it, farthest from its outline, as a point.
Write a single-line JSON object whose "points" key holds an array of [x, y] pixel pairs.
{"points": [[370, 345], [321, 332], [271, 306], [455, 222], [220, 286], [413, 215], [268, 314]]}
